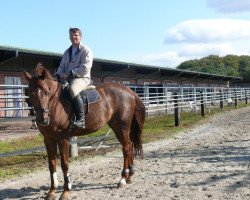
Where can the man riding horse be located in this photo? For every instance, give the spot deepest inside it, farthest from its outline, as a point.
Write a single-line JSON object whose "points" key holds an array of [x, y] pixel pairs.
{"points": [[76, 67]]}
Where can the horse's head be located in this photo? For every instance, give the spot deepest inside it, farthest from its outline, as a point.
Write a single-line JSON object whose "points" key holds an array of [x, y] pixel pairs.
{"points": [[41, 88]]}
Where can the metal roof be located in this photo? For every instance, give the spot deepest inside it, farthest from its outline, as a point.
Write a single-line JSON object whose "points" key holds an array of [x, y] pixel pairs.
{"points": [[119, 68], [17, 50]]}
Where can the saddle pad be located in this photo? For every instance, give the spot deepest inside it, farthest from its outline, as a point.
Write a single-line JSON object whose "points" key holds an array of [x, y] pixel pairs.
{"points": [[92, 96]]}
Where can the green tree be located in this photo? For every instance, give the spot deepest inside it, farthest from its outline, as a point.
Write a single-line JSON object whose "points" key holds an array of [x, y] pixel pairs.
{"points": [[244, 68], [230, 65]]}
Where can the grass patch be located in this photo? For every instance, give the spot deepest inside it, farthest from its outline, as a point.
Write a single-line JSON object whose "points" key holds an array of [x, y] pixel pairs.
{"points": [[20, 165], [155, 128], [20, 144], [163, 127]]}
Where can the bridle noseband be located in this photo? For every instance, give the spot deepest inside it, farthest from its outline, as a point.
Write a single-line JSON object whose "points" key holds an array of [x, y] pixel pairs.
{"points": [[43, 110]]}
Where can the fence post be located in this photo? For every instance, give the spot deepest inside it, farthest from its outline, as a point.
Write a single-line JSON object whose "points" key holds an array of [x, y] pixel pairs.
{"points": [[176, 110], [235, 100], [73, 148], [205, 95], [221, 99], [181, 98], [147, 100], [194, 92], [166, 99], [246, 96], [202, 104]]}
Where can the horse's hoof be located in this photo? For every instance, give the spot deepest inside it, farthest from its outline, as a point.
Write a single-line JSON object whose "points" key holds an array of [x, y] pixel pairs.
{"points": [[64, 196], [51, 196], [128, 181], [122, 184]]}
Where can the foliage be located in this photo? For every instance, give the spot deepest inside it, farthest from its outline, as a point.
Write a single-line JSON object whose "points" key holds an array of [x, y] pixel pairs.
{"points": [[230, 65]]}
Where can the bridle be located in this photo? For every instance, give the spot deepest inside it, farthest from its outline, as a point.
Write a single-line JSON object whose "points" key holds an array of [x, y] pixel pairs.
{"points": [[43, 110], [47, 110]]}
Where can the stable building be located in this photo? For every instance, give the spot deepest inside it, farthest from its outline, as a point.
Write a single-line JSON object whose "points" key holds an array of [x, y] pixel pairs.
{"points": [[14, 60]]}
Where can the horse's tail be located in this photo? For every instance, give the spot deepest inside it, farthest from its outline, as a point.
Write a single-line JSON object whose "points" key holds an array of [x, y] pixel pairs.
{"points": [[137, 127]]}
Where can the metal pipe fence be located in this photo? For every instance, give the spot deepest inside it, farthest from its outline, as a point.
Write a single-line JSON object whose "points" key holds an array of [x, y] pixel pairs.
{"points": [[157, 100], [13, 101], [162, 98]]}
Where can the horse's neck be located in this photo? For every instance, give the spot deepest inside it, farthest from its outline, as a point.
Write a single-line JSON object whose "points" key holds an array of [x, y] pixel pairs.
{"points": [[58, 102]]}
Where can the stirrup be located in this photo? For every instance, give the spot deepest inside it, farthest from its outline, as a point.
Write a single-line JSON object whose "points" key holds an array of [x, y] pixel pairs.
{"points": [[78, 124]]}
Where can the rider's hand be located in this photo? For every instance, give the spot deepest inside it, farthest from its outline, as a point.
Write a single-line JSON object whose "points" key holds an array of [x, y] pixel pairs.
{"points": [[57, 78], [64, 75]]}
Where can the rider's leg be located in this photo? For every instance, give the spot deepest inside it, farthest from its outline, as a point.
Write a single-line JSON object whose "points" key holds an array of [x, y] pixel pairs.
{"points": [[79, 112], [76, 86]]}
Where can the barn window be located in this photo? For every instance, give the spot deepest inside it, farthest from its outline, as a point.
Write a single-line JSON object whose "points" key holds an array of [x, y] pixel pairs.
{"points": [[12, 92]]}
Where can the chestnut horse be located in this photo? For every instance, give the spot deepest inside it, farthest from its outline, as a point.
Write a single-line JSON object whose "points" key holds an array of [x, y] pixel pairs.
{"points": [[120, 108]]}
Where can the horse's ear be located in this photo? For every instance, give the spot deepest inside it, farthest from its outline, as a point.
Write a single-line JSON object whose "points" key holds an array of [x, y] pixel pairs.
{"points": [[27, 76], [43, 74], [40, 71]]}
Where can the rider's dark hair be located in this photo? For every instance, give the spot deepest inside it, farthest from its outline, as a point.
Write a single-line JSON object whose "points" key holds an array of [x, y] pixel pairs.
{"points": [[74, 30]]}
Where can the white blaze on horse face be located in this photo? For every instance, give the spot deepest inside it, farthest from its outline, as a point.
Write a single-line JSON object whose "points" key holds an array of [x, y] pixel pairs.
{"points": [[55, 180]]}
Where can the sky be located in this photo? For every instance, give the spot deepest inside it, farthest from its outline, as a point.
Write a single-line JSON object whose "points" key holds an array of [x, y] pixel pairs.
{"points": [[153, 32]]}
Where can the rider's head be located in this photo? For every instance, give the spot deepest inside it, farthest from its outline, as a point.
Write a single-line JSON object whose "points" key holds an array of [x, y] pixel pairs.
{"points": [[75, 35]]}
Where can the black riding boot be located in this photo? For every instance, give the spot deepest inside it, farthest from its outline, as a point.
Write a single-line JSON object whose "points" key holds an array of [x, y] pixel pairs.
{"points": [[79, 112]]}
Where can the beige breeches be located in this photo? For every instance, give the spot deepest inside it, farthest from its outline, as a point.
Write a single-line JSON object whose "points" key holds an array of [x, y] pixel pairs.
{"points": [[77, 85]]}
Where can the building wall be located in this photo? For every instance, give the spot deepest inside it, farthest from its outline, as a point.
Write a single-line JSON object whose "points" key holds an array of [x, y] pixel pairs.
{"points": [[15, 66]]}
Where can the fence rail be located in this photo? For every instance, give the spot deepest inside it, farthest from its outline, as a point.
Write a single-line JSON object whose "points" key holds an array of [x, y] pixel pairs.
{"points": [[157, 100]]}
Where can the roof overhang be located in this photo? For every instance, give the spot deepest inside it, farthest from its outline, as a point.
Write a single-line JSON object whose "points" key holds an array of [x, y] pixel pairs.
{"points": [[110, 68]]}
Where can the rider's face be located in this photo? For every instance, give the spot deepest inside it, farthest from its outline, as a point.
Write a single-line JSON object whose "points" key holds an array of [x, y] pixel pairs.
{"points": [[75, 38]]}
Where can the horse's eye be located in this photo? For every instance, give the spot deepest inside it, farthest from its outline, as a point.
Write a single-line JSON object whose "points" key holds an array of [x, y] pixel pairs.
{"points": [[46, 93], [32, 94]]}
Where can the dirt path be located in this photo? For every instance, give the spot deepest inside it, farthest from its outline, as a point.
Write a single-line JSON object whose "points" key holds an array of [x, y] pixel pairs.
{"points": [[18, 128], [211, 161]]}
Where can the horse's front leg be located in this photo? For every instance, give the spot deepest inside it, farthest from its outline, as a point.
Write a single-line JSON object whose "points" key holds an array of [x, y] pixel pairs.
{"points": [[64, 153], [51, 148]]}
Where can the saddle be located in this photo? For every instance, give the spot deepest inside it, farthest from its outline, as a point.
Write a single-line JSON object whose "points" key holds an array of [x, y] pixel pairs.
{"points": [[89, 95]]}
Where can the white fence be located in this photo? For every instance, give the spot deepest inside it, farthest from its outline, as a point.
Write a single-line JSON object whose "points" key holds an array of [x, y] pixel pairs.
{"points": [[158, 100], [161, 99], [12, 101]]}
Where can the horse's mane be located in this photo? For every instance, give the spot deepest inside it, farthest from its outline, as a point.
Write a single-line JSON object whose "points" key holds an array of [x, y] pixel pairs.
{"points": [[42, 72]]}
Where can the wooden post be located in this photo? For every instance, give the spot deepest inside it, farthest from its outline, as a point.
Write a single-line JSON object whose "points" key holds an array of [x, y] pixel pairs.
{"points": [[146, 93], [202, 104], [221, 99], [73, 148], [176, 110], [236, 100], [181, 98], [166, 99], [246, 96]]}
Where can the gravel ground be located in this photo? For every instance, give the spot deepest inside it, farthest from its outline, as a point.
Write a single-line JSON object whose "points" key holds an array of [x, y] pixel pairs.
{"points": [[211, 161], [16, 129]]}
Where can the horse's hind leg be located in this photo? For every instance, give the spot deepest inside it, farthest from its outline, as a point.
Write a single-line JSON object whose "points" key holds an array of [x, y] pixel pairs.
{"points": [[131, 170], [128, 161], [51, 147]]}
